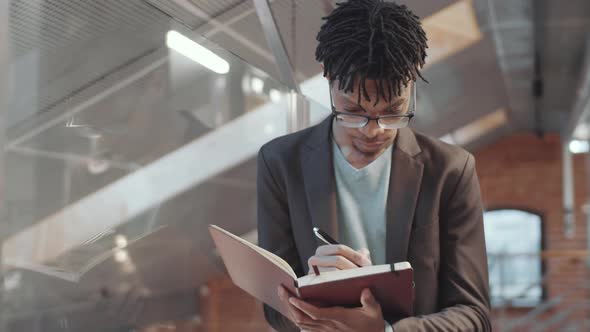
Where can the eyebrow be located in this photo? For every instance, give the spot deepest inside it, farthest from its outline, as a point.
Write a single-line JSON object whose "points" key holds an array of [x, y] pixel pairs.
{"points": [[396, 103]]}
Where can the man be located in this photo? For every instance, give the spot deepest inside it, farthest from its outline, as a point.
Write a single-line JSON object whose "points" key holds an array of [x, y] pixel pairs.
{"points": [[386, 193]]}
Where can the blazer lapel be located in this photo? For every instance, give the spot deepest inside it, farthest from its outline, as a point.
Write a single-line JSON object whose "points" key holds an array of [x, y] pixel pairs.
{"points": [[404, 187], [318, 176]]}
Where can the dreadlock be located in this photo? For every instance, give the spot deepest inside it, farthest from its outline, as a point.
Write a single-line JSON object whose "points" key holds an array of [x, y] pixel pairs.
{"points": [[372, 39]]}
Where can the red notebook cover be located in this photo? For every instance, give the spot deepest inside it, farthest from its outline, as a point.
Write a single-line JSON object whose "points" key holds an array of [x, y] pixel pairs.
{"points": [[259, 273], [394, 290]]}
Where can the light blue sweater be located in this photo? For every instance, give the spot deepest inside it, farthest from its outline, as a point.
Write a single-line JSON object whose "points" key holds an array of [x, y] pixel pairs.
{"points": [[362, 200]]}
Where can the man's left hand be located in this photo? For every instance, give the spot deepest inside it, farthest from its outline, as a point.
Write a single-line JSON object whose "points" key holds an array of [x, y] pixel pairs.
{"points": [[367, 318]]}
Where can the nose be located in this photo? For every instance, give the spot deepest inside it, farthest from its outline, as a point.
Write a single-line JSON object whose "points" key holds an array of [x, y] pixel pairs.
{"points": [[372, 129]]}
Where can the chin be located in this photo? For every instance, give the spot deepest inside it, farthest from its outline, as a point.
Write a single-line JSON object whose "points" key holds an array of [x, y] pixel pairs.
{"points": [[370, 151]]}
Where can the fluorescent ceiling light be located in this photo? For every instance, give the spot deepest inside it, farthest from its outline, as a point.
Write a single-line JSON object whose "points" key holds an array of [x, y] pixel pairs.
{"points": [[577, 146], [257, 85], [196, 52], [121, 241], [121, 256], [275, 96]]}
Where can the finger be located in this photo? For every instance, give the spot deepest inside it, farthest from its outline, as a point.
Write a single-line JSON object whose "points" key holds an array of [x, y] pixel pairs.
{"points": [[345, 251], [284, 297], [320, 328], [283, 293], [368, 300], [303, 320], [309, 309], [320, 268], [339, 262], [300, 318], [365, 252]]}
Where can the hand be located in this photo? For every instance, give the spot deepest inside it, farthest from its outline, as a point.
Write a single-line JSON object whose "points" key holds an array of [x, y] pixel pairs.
{"points": [[338, 257], [310, 318]]}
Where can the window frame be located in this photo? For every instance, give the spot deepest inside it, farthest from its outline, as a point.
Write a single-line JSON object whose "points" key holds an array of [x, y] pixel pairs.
{"points": [[541, 216]]}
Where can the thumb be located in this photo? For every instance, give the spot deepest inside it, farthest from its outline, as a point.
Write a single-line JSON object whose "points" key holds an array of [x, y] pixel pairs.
{"points": [[368, 300]]}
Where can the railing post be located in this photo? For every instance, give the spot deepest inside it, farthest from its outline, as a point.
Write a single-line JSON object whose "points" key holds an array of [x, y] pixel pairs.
{"points": [[569, 213], [4, 83]]}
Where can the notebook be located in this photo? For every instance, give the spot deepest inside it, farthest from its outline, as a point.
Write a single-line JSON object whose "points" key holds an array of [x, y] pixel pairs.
{"points": [[260, 272]]}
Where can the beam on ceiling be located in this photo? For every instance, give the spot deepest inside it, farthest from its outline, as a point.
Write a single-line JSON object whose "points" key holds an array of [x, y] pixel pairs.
{"points": [[299, 108], [537, 86], [163, 179], [104, 89], [276, 44], [219, 26]]}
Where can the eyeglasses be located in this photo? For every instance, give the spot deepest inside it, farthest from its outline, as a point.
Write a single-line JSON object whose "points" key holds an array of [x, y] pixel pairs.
{"points": [[384, 121]]}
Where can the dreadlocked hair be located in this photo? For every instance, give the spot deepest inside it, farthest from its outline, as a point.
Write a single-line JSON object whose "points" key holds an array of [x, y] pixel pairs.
{"points": [[372, 39]]}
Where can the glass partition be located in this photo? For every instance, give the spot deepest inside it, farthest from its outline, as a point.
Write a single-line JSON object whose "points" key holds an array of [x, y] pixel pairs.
{"points": [[126, 133]]}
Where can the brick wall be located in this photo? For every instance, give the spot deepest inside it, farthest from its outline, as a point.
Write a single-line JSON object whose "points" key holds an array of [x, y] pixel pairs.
{"points": [[520, 171], [525, 172]]}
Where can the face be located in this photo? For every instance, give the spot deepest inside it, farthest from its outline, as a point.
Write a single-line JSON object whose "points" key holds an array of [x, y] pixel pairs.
{"points": [[370, 141]]}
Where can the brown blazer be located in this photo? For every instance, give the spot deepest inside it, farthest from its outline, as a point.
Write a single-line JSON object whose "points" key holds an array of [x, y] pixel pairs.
{"points": [[434, 221]]}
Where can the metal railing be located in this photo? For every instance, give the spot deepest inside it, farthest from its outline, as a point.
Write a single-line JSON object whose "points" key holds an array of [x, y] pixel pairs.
{"points": [[556, 312]]}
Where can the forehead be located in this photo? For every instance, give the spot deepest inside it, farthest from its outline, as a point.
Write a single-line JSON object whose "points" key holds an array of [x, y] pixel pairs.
{"points": [[373, 87]]}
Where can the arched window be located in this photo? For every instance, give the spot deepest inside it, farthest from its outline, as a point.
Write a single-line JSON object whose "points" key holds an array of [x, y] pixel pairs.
{"points": [[513, 242]]}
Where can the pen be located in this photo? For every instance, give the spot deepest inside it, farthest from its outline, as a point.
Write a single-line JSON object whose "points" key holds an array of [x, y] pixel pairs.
{"points": [[327, 239]]}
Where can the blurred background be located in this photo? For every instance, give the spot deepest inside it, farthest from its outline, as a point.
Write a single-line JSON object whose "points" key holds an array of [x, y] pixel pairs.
{"points": [[127, 126]]}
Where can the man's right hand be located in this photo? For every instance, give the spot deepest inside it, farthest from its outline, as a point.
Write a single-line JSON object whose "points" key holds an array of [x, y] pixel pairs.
{"points": [[338, 257]]}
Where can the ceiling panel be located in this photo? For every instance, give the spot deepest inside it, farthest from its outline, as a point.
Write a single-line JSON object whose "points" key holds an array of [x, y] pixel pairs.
{"points": [[462, 88], [215, 8], [247, 54], [566, 27], [52, 25], [178, 12], [59, 47]]}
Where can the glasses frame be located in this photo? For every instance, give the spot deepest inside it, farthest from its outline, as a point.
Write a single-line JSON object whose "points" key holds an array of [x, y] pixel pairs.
{"points": [[368, 118]]}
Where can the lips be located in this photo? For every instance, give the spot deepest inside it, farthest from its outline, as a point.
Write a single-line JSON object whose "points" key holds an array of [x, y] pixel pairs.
{"points": [[370, 144]]}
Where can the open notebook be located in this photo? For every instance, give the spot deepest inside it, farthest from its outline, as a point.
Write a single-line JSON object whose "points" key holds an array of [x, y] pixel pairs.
{"points": [[259, 272]]}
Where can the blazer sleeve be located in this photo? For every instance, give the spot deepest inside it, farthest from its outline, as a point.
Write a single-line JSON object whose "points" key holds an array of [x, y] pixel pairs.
{"points": [[463, 275], [274, 231]]}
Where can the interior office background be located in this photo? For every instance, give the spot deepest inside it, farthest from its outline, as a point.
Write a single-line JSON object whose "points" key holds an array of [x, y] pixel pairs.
{"points": [[123, 137]]}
